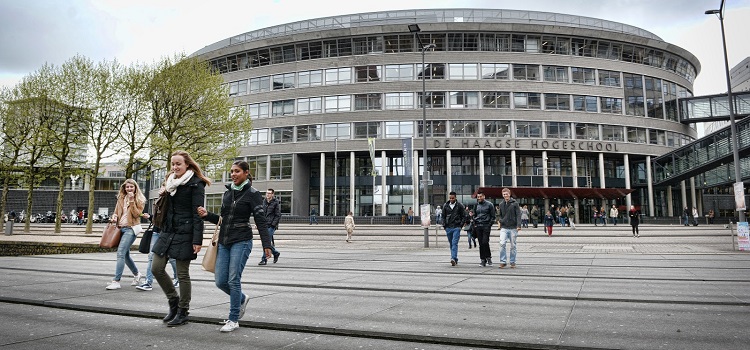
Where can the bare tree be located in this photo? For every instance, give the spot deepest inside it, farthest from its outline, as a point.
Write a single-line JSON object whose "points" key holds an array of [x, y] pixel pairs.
{"points": [[137, 127], [15, 136]]}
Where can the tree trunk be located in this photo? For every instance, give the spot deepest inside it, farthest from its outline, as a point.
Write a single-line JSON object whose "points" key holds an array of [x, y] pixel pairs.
{"points": [[29, 196], [60, 196], [89, 222], [4, 200]]}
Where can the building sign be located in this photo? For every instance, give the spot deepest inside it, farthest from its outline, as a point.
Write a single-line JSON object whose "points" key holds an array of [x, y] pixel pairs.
{"points": [[406, 147], [526, 144]]}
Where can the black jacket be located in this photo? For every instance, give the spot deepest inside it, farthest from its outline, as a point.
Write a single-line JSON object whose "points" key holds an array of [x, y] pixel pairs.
{"points": [[509, 214], [484, 214], [236, 209], [182, 227], [273, 212], [455, 217]]}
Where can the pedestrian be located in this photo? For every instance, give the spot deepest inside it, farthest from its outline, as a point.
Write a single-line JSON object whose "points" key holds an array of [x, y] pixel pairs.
{"points": [[509, 216], [455, 217], [80, 217], [272, 208], [410, 215], [635, 220], [595, 216], [181, 233], [613, 213], [695, 216], [571, 216], [535, 216], [603, 215], [525, 217], [686, 216], [349, 226], [403, 215], [313, 216], [469, 228], [127, 217], [439, 215], [239, 202], [549, 221], [711, 215], [563, 216], [484, 217]]}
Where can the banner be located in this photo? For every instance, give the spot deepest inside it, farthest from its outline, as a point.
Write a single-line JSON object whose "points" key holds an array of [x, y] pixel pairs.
{"points": [[424, 214], [371, 146], [406, 148], [743, 236], [739, 196]]}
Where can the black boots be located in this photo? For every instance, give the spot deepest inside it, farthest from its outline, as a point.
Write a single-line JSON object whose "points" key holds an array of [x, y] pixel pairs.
{"points": [[180, 319], [173, 308]]}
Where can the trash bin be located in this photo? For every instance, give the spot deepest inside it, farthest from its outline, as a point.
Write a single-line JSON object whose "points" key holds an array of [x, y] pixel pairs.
{"points": [[9, 228]]}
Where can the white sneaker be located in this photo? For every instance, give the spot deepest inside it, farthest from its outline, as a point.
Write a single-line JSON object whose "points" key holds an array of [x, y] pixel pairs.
{"points": [[230, 326], [176, 283], [243, 305], [113, 285], [136, 279]]}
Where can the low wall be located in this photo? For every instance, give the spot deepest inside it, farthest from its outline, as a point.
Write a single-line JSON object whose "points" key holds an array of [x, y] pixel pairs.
{"points": [[9, 248]]}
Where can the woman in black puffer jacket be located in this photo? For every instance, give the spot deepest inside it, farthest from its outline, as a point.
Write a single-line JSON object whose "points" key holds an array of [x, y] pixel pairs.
{"points": [[181, 232], [240, 202]]}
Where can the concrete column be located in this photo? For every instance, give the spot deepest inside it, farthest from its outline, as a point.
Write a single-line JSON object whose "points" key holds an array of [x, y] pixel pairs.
{"points": [[352, 171], [383, 187], [692, 194], [683, 191], [513, 168], [670, 202], [576, 205], [574, 164], [545, 173], [322, 203], [448, 170], [700, 202], [601, 171], [629, 197], [649, 181], [481, 168], [415, 180]]}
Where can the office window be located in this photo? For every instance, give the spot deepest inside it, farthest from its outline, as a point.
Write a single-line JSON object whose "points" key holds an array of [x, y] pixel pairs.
{"points": [[399, 129], [494, 42], [498, 71], [369, 44], [309, 50], [238, 88], [283, 81], [587, 131], [611, 105], [281, 108], [341, 103], [258, 167], [497, 128], [364, 74], [259, 110], [613, 133], [309, 132], [399, 100], [636, 135], [462, 71], [366, 130], [399, 72], [495, 99], [634, 95], [464, 128], [309, 105], [310, 78], [281, 167], [609, 78], [363, 102], [398, 43], [464, 99], [557, 102], [527, 100], [585, 103], [556, 73], [657, 137], [260, 84], [337, 131], [258, 137], [337, 76], [435, 128], [433, 71], [435, 99], [558, 130], [528, 129], [525, 72], [584, 76], [282, 135]]}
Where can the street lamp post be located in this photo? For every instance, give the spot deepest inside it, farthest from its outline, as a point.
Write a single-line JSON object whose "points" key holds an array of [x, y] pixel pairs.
{"points": [[414, 28], [730, 99]]}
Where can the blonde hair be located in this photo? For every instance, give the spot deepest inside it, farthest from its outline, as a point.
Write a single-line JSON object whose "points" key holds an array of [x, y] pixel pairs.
{"points": [[134, 210]]}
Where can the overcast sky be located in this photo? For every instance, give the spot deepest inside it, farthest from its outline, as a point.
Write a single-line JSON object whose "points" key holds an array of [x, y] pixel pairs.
{"points": [[33, 32]]}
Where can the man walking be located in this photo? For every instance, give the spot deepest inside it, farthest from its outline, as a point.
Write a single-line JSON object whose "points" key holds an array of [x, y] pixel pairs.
{"points": [[613, 213], [484, 217], [509, 216], [455, 215], [273, 215]]}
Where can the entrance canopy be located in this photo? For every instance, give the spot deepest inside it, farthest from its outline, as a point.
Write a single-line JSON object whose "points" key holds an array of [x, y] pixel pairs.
{"points": [[556, 192]]}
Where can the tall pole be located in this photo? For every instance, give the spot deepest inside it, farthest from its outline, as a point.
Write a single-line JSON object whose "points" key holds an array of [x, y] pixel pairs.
{"points": [[733, 126], [424, 143], [335, 175]]}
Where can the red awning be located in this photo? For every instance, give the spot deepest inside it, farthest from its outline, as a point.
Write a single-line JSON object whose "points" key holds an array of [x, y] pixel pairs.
{"points": [[556, 192]]}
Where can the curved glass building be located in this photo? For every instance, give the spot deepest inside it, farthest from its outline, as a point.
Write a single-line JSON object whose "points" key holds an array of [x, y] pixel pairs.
{"points": [[561, 108]]}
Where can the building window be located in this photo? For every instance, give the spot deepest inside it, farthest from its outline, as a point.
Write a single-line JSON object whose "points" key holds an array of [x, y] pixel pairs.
{"points": [[558, 130], [281, 167], [463, 41], [612, 133], [337, 48], [310, 105], [310, 78], [310, 50], [282, 135], [434, 71], [527, 100], [494, 42], [366, 130], [258, 167], [364, 102], [634, 94], [435, 128], [495, 99], [260, 84], [399, 72], [368, 44], [281, 108], [258, 137], [585, 103], [398, 43], [611, 105], [308, 132], [435, 99], [337, 131], [462, 71], [657, 137], [556, 74], [342, 103], [283, 81], [609, 78], [399, 129], [238, 88], [399, 100], [654, 99], [464, 128], [587, 131], [525, 72], [464, 99], [495, 71], [497, 128], [258, 110], [465, 165], [337, 76], [557, 102], [584, 76], [636, 135], [363, 74], [285, 201], [528, 129], [213, 202]]}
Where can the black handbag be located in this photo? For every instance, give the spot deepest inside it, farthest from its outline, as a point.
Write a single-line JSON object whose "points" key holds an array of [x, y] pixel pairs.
{"points": [[145, 245]]}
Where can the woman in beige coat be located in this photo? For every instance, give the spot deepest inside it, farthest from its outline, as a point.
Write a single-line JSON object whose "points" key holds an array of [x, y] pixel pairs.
{"points": [[349, 226]]}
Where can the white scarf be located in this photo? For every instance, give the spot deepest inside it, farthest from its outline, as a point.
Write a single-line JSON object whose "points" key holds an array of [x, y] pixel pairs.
{"points": [[172, 183]]}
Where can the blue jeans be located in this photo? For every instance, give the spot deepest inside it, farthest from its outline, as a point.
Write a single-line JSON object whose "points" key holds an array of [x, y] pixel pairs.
{"points": [[230, 261], [149, 274], [453, 234], [505, 235], [273, 248], [123, 253]]}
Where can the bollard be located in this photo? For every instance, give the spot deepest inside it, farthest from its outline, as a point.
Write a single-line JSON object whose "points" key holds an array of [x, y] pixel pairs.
{"points": [[9, 228]]}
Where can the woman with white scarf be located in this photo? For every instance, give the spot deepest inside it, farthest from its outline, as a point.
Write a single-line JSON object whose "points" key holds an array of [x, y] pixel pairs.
{"points": [[181, 232]]}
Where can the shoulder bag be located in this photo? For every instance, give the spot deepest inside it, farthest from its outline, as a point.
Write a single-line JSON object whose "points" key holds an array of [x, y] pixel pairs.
{"points": [[145, 245], [111, 236], [209, 259]]}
